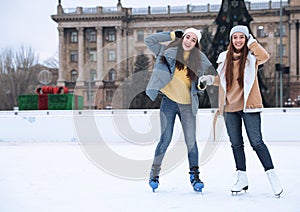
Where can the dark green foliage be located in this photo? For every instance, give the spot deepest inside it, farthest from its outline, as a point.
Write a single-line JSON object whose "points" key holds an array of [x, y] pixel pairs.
{"points": [[141, 64], [232, 13]]}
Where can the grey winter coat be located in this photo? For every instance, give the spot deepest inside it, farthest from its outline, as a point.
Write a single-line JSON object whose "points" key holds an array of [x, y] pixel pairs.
{"points": [[162, 75]]}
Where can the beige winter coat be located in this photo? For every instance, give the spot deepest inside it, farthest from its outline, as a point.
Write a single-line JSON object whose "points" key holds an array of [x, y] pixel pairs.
{"points": [[252, 96]]}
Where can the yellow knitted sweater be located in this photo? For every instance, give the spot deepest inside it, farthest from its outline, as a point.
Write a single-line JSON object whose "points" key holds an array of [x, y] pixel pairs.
{"points": [[178, 89]]}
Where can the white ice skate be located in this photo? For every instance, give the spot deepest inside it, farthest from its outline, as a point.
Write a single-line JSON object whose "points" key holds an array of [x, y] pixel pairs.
{"points": [[275, 183], [240, 183]]}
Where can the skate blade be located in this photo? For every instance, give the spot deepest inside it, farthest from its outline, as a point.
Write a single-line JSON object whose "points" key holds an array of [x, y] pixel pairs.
{"points": [[198, 190], [278, 195], [236, 192]]}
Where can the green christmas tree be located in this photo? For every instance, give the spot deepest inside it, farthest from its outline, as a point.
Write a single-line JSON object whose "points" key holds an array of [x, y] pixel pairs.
{"points": [[142, 63], [232, 13], [141, 100]]}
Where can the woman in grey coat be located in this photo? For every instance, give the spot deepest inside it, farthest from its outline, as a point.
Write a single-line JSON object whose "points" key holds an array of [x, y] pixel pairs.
{"points": [[176, 71]]}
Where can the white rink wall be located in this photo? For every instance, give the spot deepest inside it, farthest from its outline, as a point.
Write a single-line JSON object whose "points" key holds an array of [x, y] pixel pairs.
{"points": [[135, 126]]}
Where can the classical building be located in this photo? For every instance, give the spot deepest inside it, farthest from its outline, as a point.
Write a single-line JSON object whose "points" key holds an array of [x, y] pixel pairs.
{"points": [[98, 46]]}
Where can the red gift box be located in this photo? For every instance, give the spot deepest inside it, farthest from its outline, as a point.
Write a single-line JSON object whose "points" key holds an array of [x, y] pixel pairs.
{"points": [[43, 102]]}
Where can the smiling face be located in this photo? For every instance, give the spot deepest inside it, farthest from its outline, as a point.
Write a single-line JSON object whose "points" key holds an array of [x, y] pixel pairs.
{"points": [[189, 41], [238, 40]]}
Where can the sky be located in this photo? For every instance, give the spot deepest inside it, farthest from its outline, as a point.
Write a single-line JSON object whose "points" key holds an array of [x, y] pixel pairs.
{"points": [[29, 23]]}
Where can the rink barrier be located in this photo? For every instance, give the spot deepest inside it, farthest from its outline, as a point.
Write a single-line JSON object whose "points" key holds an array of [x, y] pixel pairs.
{"points": [[278, 124]]}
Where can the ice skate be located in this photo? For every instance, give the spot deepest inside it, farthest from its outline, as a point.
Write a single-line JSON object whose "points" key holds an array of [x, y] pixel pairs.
{"points": [[154, 176], [195, 180], [241, 182], [153, 182], [274, 181]]}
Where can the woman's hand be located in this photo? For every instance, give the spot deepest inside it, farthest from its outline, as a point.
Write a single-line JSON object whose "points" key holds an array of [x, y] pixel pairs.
{"points": [[207, 79], [179, 33], [250, 40]]}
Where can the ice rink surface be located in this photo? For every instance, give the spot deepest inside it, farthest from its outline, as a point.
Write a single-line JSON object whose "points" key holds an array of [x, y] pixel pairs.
{"points": [[60, 177]]}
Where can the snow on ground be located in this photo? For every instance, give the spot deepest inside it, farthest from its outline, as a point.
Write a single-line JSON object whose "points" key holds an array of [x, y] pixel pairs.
{"points": [[60, 177]]}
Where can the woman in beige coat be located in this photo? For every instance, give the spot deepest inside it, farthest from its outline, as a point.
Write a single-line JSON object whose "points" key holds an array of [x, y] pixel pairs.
{"points": [[240, 101]]}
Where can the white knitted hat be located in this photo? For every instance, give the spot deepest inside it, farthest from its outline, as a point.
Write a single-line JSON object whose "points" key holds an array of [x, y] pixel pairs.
{"points": [[195, 31], [239, 28]]}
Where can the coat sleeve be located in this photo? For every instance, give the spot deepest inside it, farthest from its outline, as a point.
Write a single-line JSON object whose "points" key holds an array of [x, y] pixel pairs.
{"points": [[216, 80], [206, 66], [259, 52], [154, 41]]}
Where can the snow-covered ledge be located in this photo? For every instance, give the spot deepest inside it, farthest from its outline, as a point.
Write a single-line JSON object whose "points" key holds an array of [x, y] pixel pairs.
{"points": [[135, 126]]}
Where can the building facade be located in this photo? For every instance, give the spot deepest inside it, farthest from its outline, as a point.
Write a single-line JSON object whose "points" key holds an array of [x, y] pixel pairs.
{"points": [[98, 46]]}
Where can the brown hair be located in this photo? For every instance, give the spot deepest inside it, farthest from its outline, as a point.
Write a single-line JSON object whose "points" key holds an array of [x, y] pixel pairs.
{"points": [[192, 63], [229, 64]]}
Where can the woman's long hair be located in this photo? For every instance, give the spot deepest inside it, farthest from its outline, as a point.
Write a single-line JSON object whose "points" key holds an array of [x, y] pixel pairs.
{"points": [[229, 64], [192, 63]]}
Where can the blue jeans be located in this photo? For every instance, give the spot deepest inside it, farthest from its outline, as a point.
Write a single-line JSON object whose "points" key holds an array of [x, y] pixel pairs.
{"points": [[252, 122], [168, 111]]}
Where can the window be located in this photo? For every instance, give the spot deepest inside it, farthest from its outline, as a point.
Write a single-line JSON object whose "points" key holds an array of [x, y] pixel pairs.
{"points": [[140, 35], [91, 36], [74, 56], [92, 94], [74, 37], [93, 55], [111, 55], [74, 75], [277, 33], [112, 75], [93, 75], [111, 36], [283, 50], [261, 32], [109, 95]]}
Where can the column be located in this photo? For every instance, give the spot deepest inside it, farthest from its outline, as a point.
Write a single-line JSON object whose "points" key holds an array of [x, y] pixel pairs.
{"points": [[119, 47], [100, 71], [81, 77], [293, 49], [298, 46], [61, 75]]}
